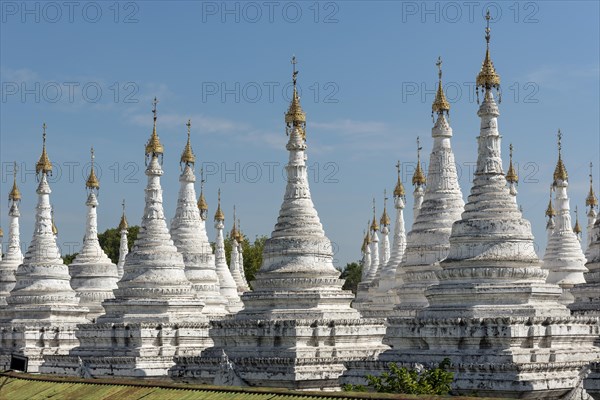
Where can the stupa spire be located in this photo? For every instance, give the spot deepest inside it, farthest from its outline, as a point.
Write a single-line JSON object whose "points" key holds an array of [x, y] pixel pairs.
{"points": [[487, 79], [375, 260], [153, 147], [399, 230], [550, 214], [511, 175], [440, 104], [385, 241], [228, 286], [564, 257], [202, 204], [43, 166], [240, 241], [366, 251], [93, 275], [13, 255], [188, 231], [92, 183], [577, 227], [591, 201], [123, 244], [295, 118], [419, 181]]}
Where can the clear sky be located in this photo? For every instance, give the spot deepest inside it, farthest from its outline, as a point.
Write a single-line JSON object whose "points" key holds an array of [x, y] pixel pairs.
{"points": [[367, 75]]}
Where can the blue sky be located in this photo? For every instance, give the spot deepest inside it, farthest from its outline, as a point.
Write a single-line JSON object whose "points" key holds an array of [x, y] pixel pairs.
{"points": [[367, 74]]}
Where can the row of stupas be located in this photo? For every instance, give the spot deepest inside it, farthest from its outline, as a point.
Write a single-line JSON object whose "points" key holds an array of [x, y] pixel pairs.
{"points": [[464, 283]]}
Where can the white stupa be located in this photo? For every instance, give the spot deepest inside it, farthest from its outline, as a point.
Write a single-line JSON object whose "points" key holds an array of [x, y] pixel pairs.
{"points": [[155, 314], [492, 313], [42, 309], [297, 328], [587, 294], [188, 231], [428, 240], [419, 181], [564, 257], [550, 215], [591, 201], [93, 274], [123, 243], [13, 257], [228, 286], [234, 265]]}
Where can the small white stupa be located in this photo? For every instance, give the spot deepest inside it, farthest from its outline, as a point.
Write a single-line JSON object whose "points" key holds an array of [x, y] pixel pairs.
{"points": [[123, 242], [564, 258], [93, 275], [188, 231], [13, 256], [228, 286]]}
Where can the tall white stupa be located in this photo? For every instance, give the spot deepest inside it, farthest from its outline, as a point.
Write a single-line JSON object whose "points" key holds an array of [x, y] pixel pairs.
{"points": [[155, 314], [492, 312], [419, 181], [428, 240], [42, 309], [93, 274], [188, 231], [297, 328], [13, 256]]}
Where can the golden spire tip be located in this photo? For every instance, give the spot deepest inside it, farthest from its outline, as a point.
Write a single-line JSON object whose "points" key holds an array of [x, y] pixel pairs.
{"points": [[15, 193]]}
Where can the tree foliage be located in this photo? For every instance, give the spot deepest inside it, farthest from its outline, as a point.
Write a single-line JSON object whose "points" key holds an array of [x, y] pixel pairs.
{"points": [[110, 241], [436, 381], [352, 274]]}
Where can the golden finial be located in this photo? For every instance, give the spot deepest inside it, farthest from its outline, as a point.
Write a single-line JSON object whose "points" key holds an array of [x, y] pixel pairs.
{"points": [[202, 205], [487, 77], [399, 189], [92, 181], [123, 224], [240, 236], [234, 232], [367, 239], [577, 227], [591, 200], [560, 172], [440, 104], [1, 233], [15, 193], [419, 177], [295, 117], [154, 147], [550, 212], [219, 216], [385, 219], [43, 165], [374, 226], [511, 175], [54, 228], [188, 157]]}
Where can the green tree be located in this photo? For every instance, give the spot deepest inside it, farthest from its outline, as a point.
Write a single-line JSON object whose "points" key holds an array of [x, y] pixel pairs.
{"points": [[68, 259], [110, 241], [353, 275], [436, 381], [252, 254]]}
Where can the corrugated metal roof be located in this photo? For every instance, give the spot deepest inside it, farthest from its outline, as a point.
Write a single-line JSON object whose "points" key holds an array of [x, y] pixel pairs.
{"points": [[18, 386]]}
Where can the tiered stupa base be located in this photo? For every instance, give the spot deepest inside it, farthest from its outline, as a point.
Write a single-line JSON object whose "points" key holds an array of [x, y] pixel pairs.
{"points": [[514, 357], [304, 354], [287, 338], [36, 331], [130, 349], [592, 382], [372, 302]]}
